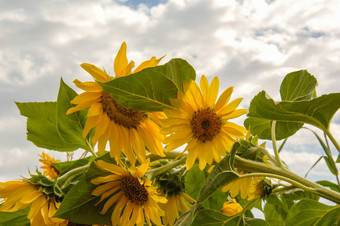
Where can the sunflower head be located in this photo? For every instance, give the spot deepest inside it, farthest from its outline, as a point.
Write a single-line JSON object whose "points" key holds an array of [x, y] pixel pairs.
{"points": [[134, 197], [49, 170], [128, 131], [36, 192], [260, 187], [202, 123]]}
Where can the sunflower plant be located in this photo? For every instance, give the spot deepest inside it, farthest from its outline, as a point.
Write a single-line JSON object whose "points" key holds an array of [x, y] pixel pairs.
{"points": [[159, 147]]}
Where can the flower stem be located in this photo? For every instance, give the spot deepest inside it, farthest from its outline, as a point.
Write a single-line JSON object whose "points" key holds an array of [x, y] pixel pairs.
{"points": [[165, 168], [91, 149], [284, 174], [276, 152]]}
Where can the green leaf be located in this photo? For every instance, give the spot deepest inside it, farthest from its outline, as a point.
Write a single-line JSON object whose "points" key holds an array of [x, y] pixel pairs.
{"points": [[41, 126], [79, 206], [150, 89], [329, 184], [214, 218], [194, 181], [317, 112], [311, 212], [17, 218], [70, 127], [222, 174], [298, 85], [64, 167], [278, 205]]}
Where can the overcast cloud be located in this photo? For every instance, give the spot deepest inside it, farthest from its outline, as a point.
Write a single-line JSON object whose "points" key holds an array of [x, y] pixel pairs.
{"points": [[250, 45]]}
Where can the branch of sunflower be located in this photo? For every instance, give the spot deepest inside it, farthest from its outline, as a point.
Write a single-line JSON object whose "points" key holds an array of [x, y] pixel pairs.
{"points": [[281, 173], [276, 152]]}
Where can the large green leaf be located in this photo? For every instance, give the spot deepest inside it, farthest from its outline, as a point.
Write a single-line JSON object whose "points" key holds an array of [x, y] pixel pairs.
{"points": [[278, 205], [151, 88], [17, 218], [49, 127], [215, 218], [311, 212], [41, 126], [296, 86], [70, 127], [222, 174], [317, 112], [194, 181], [79, 206]]}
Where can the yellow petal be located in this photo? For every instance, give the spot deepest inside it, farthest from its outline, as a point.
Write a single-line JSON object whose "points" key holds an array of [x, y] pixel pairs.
{"points": [[121, 61], [230, 107], [234, 114], [95, 109], [148, 63], [101, 180], [88, 86], [110, 202], [97, 73], [91, 122], [223, 99], [110, 167], [213, 91], [86, 97]]}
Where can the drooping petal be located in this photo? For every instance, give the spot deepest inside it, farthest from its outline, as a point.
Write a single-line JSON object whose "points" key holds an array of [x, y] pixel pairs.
{"points": [[88, 86], [97, 73]]}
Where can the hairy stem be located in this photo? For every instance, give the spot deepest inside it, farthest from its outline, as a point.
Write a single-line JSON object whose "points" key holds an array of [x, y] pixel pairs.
{"points": [[329, 134], [276, 152]]}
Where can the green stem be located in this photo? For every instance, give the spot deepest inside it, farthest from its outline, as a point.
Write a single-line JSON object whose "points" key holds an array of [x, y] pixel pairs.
{"points": [[91, 149], [276, 152], [333, 140], [163, 169], [258, 167], [64, 180], [293, 182]]}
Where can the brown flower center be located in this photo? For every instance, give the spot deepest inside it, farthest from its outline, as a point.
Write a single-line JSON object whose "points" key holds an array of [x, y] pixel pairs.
{"points": [[205, 124], [133, 190], [122, 116]]}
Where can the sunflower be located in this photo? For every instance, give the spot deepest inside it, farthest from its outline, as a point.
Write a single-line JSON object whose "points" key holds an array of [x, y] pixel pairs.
{"points": [[21, 194], [49, 169], [231, 208], [201, 123], [259, 187], [127, 130], [134, 198]]}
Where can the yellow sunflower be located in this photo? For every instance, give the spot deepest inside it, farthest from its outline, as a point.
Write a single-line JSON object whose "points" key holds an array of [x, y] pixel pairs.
{"points": [[231, 208], [134, 198], [49, 169], [175, 204], [21, 194], [202, 123], [127, 130]]}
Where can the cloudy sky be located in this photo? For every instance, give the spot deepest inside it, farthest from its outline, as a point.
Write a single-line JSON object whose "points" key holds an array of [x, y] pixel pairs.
{"points": [[249, 44]]}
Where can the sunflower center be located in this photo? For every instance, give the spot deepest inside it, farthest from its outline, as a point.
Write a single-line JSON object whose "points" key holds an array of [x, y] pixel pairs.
{"points": [[133, 190], [122, 116], [205, 124]]}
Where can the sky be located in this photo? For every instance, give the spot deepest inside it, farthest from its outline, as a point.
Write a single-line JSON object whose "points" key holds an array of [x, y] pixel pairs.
{"points": [[249, 44]]}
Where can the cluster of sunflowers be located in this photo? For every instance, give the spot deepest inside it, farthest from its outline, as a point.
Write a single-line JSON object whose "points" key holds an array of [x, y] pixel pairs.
{"points": [[141, 178]]}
